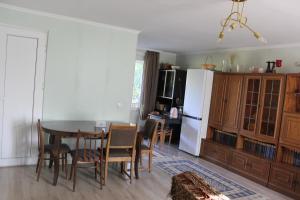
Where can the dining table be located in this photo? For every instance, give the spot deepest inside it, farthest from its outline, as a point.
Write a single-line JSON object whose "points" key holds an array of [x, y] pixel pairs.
{"points": [[59, 129]]}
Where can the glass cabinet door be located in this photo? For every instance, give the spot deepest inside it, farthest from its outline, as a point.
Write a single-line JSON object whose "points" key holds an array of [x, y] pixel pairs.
{"points": [[169, 87], [161, 83], [271, 91], [251, 104]]}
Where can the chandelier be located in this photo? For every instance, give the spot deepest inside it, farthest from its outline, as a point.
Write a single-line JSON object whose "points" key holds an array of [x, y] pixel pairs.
{"points": [[237, 19]]}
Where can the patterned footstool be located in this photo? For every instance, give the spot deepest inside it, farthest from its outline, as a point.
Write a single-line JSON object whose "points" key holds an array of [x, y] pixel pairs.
{"points": [[190, 186]]}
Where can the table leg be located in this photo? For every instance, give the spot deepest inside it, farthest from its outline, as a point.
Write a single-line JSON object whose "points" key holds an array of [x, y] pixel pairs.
{"points": [[56, 169], [51, 141], [57, 141], [50, 162]]}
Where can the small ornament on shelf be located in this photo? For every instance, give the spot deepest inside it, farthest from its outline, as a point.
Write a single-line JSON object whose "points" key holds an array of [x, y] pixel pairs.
{"points": [[272, 65]]}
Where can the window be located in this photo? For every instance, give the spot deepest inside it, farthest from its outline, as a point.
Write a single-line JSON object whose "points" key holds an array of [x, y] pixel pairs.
{"points": [[137, 85]]}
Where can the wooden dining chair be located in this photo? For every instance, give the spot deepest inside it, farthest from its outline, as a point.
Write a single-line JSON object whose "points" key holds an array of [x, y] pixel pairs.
{"points": [[163, 131], [120, 147], [88, 151], [48, 149], [150, 133]]}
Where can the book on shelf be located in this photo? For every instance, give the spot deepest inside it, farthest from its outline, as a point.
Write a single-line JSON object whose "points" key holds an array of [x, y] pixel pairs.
{"points": [[291, 157], [224, 138], [297, 159], [260, 149]]}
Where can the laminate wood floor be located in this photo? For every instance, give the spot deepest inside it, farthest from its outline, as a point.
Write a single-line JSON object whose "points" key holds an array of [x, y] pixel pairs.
{"points": [[19, 183]]}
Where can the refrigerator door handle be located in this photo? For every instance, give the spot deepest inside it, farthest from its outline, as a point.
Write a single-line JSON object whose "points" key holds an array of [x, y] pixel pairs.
{"points": [[192, 117]]}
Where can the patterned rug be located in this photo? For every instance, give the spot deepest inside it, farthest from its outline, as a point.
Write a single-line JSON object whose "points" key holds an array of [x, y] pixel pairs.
{"points": [[174, 165]]}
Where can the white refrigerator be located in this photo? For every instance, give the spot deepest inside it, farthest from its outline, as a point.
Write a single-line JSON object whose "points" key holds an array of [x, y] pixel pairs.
{"points": [[195, 110]]}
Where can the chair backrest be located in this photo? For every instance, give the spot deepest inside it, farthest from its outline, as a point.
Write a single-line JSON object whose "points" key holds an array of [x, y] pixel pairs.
{"points": [[150, 130], [41, 137], [161, 122], [121, 136], [88, 146]]}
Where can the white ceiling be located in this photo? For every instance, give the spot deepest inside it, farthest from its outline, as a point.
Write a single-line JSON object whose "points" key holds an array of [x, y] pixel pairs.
{"points": [[183, 26]]}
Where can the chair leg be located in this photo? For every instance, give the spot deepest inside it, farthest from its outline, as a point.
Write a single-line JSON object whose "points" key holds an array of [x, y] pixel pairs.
{"points": [[96, 168], [162, 138], [150, 161], [101, 175], [51, 161], [131, 170], [66, 165], [40, 168], [37, 164], [141, 160], [105, 172], [74, 177], [62, 162], [170, 137], [121, 167], [72, 169], [157, 137]]}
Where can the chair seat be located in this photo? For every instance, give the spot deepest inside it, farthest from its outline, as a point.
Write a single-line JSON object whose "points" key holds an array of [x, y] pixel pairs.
{"points": [[87, 154], [165, 131], [118, 153], [64, 148]]}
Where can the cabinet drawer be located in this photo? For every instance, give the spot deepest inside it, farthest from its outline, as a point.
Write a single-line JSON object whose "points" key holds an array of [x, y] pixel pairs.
{"points": [[282, 178], [290, 129], [297, 184], [255, 168], [216, 152], [239, 161], [258, 168]]}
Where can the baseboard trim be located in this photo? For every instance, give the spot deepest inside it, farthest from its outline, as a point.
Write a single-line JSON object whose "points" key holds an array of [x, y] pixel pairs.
{"points": [[10, 162]]}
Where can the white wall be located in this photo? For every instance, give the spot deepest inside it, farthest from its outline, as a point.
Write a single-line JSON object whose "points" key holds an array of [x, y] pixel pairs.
{"points": [[90, 67], [247, 58]]}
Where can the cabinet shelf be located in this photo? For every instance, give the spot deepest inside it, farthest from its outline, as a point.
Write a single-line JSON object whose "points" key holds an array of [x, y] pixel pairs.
{"points": [[260, 138], [224, 138], [289, 156]]}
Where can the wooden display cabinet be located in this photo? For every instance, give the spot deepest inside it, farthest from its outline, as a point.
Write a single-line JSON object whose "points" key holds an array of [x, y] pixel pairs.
{"points": [[285, 174], [292, 94], [262, 113], [285, 179], [290, 129], [225, 103], [217, 101], [270, 112], [232, 102], [262, 107], [255, 168], [250, 108]]}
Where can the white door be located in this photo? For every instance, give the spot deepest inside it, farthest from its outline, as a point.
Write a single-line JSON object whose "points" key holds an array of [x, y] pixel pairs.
{"points": [[190, 137], [194, 94], [22, 65]]}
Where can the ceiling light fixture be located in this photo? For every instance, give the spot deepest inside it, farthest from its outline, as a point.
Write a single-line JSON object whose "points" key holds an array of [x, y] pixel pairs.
{"points": [[236, 18]]}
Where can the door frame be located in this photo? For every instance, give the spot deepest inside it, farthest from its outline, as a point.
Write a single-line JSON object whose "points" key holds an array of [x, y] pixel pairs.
{"points": [[39, 82]]}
